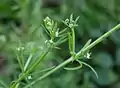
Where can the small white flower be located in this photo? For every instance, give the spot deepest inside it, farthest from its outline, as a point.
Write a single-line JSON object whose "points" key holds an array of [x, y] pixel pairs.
{"points": [[30, 77], [56, 33], [87, 55], [50, 41], [46, 19], [18, 49], [49, 23]]}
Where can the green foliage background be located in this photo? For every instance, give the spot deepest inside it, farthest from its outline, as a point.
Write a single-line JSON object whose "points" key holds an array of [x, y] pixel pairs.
{"points": [[21, 20]]}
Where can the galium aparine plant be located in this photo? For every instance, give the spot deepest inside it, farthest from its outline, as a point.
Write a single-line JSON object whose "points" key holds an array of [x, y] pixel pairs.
{"points": [[56, 37]]}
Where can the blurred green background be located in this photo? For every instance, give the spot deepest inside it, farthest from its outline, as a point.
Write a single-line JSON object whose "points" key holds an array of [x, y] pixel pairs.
{"points": [[21, 20]]}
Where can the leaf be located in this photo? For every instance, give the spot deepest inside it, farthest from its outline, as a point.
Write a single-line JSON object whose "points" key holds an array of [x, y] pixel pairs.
{"points": [[87, 44], [60, 42], [77, 19], [62, 35], [27, 62], [89, 67], [19, 59], [64, 30], [47, 31], [82, 50], [55, 27], [47, 69], [71, 17], [74, 68]]}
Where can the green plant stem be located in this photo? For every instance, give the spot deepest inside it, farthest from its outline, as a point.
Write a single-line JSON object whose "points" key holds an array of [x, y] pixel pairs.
{"points": [[77, 55], [73, 40], [29, 70], [27, 62], [99, 39], [20, 62], [50, 72]]}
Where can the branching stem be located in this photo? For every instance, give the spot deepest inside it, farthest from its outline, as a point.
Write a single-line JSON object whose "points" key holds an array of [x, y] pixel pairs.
{"points": [[100, 39]]}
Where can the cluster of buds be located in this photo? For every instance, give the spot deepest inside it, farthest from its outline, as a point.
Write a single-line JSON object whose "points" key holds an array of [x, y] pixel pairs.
{"points": [[70, 22], [20, 48], [49, 42], [51, 27], [48, 23], [52, 30], [87, 55]]}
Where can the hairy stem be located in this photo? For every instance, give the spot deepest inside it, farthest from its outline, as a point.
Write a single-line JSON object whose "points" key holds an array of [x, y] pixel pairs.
{"points": [[77, 55], [100, 39]]}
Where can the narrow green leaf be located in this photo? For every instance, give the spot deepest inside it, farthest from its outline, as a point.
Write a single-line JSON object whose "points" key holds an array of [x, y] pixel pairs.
{"points": [[77, 19], [20, 62], [17, 85], [64, 30], [60, 42], [55, 27], [47, 31], [87, 44], [37, 62], [47, 69], [73, 68], [62, 35], [62, 38], [81, 62], [71, 17], [27, 62]]}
